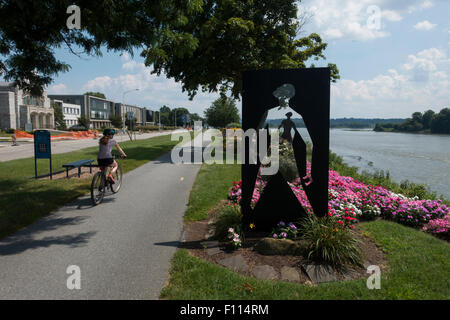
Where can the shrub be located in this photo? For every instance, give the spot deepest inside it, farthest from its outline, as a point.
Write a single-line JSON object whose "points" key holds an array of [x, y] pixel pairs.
{"points": [[329, 242], [227, 216], [234, 125], [439, 227]]}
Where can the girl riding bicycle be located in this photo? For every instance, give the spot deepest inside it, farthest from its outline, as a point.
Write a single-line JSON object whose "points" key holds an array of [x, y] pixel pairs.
{"points": [[105, 158]]}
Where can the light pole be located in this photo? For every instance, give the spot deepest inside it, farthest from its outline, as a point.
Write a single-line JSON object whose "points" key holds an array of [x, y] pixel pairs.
{"points": [[123, 100], [175, 118], [159, 112], [123, 106]]}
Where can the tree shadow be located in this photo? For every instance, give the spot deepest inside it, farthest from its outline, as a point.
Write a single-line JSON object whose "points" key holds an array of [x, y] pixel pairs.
{"points": [[12, 247], [182, 245]]}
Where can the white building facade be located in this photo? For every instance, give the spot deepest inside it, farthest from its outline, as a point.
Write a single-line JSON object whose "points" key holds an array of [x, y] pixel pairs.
{"points": [[18, 108], [71, 112]]}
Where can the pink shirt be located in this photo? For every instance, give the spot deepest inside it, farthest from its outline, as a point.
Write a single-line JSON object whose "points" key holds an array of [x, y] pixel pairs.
{"points": [[105, 149]]}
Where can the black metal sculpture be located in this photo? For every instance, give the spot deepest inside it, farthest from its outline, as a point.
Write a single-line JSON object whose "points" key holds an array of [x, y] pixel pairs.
{"points": [[306, 91]]}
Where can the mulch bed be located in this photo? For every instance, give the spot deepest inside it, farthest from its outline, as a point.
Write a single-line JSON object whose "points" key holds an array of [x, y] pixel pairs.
{"points": [[195, 233]]}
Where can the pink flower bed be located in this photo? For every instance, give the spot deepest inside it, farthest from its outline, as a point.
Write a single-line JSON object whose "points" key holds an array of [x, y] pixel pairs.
{"points": [[349, 199]]}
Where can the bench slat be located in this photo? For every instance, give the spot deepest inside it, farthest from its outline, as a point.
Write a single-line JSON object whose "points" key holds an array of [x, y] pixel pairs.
{"points": [[78, 163]]}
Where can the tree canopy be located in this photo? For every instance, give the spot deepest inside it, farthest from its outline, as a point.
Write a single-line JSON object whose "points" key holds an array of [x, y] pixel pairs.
{"points": [[96, 94], [222, 112], [203, 44], [429, 121]]}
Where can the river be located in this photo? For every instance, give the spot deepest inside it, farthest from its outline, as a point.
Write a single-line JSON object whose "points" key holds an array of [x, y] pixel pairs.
{"points": [[419, 158]]}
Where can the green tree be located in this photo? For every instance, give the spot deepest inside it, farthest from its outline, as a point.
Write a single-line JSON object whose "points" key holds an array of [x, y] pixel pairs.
{"points": [[441, 122], [233, 36], [222, 112], [84, 121], [427, 118], [116, 121], [131, 124], [203, 44], [96, 94], [31, 30], [59, 117]]}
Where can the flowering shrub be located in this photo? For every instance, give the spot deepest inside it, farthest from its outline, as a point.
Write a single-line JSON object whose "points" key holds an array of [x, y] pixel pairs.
{"points": [[439, 227], [234, 238], [349, 200], [283, 231]]}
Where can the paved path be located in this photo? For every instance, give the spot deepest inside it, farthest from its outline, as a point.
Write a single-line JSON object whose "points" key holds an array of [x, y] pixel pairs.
{"points": [[25, 149], [123, 246]]}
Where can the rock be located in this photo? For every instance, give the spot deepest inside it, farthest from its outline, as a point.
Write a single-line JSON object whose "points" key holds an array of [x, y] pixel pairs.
{"points": [[319, 273], [210, 244], [212, 247], [269, 246], [213, 251], [265, 272], [235, 263], [350, 274], [289, 274]]}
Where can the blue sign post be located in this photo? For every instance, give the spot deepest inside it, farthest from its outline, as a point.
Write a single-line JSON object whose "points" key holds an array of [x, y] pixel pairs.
{"points": [[42, 149]]}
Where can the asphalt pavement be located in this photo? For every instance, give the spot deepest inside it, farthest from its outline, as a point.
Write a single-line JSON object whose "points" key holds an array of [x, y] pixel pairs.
{"points": [[122, 248]]}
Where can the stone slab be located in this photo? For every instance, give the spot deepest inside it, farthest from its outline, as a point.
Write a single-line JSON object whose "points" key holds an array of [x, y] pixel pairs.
{"points": [[235, 263], [289, 274], [265, 272], [319, 273]]}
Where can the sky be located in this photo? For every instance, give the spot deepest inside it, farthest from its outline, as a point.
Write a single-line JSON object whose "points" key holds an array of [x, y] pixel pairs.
{"points": [[393, 57]]}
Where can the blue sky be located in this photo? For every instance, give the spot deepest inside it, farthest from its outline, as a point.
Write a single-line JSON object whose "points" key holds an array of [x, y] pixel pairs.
{"points": [[388, 69]]}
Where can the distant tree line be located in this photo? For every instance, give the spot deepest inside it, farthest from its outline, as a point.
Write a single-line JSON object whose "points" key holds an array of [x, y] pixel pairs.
{"points": [[427, 122], [354, 123]]}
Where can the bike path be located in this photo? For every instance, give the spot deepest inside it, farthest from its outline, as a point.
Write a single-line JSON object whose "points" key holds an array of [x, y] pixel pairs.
{"points": [[123, 246]]}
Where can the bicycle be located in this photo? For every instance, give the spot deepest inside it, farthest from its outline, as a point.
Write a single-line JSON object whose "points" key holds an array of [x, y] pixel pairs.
{"points": [[100, 183]]}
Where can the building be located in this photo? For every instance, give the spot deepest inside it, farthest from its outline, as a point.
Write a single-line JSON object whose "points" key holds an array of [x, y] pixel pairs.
{"points": [[71, 112], [139, 113], [96, 109], [20, 110]]}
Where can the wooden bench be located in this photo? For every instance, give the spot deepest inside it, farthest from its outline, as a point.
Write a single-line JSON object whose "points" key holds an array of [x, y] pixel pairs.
{"points": [[78, 164]]}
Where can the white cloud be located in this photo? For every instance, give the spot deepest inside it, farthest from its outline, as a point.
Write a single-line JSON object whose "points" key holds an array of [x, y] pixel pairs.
{"points": [[357, 19], [58, 89], [423, 5], [422, 82], [424, 25], [154, 91], [391, 15]]}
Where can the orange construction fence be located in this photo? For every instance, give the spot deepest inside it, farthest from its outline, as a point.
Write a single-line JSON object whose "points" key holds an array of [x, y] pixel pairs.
{"points": [[72, 135]]}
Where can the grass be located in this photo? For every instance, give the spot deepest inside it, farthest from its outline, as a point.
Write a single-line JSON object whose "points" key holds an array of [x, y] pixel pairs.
{"points": [[211, 185], [24, 200], [419, 269], [419, 264]]}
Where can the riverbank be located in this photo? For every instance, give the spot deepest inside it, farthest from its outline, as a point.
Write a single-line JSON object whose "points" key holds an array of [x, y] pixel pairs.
{"points": [[428, 132]]}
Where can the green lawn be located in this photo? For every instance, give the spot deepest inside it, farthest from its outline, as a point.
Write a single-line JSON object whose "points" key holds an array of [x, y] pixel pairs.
{"points": [[419, 269], [211, 185], [419, 264], [23, 200]]}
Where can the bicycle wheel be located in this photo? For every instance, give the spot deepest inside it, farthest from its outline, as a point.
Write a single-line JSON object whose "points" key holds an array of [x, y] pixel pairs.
{"points": [[118, 179], [98, 187]]}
